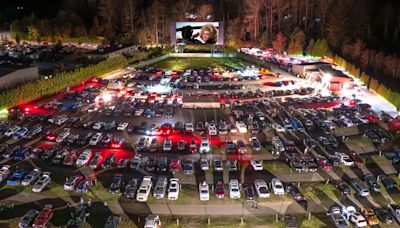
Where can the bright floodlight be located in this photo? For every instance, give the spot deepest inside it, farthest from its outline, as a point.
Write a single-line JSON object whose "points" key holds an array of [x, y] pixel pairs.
{"points": [[327, 77], [159, 89], [106, 97]]}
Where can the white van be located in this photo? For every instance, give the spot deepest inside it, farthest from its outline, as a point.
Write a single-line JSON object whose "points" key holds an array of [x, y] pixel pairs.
{"points": [[144, 189]]}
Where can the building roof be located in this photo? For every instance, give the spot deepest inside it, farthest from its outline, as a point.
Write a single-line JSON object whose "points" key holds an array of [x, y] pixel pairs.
{"points": [[200, 99], [7, 68], [333, 72], [313, 63]]}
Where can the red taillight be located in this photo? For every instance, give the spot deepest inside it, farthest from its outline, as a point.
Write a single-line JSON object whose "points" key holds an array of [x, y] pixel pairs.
{"points": [[50, 137]]}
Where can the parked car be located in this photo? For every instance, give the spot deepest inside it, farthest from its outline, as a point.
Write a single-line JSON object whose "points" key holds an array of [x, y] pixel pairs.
{"points": [[257, 165], [131, 188], [294, 191], [31, 177], [204, 191], [219, 190], [234, 189], [72, 182], [387, 181], [112, 221], [204, 145], [352, 215], [144, 189], [395, 211], [372, 183], [152, 221], [44, 216], [16, 177], [337, 218], [173, 189], [360, 188], [41, 183], [277, 187], [160, 188], [384, 215], [261, 188], [116, 184], [28, 218], [343, 188], [249, 193], [204, 164], [370, 216]]}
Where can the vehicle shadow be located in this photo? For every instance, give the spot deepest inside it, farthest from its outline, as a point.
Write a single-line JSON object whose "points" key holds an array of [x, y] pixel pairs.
{"points": [[98, 214], [10, 212]]}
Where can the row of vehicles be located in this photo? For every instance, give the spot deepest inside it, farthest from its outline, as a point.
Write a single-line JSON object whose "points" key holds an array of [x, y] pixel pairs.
{"points": [[35, 178], [343, 216]]}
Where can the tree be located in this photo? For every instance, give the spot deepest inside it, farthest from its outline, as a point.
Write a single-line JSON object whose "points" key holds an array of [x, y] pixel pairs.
{"points": [[182, 7], [296, 44], [107, 15], [96, 29], [279, 44], [310, 47], [204, 11], [254, 7], [338, 24], [17, 38], [128, 17], [320, 48], [33, 33]]}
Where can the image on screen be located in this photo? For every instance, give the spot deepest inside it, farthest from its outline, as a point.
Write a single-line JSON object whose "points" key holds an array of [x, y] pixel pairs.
{"points": [[198, 33]]}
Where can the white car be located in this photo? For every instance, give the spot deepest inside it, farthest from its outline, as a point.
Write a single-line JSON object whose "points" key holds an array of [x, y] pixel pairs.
{"points": [[41, 184], [139, 112], [234, 189], [204, 191], [4, 172], [144, 189], [346, 160], [261, 188], [278, 128], [257, 165], [63, 135], [96, 139], [122, 126], [10, 131], [351, 214], [241, 127], [98, 125], [84, 158], [212, 129], [204, 164], [71, 182], [173, 189], [152, 221], [167, 145], [204, 145], [31, 177], [189, 127], [277, 187]]}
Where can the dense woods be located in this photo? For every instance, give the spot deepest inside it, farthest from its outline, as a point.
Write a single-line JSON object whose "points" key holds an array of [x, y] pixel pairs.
{"points": [[365, 33]]}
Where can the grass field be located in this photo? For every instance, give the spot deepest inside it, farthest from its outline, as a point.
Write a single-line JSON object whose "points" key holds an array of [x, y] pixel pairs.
{"points": [[185, 63]]}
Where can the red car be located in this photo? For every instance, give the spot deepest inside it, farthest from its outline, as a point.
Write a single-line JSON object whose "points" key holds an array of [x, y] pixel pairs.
{"points": [[193, 147], [356, 158], [371, 119], [219, 190], [44, 216], [324, 163], [175, 166]]}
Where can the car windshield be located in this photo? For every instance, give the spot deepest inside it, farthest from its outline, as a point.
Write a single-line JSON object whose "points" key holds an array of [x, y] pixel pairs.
{"points": [[173, 190], [142, 191], [204, 191], [263, 190]]}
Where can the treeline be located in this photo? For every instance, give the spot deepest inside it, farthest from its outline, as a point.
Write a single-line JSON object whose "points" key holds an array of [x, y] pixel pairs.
{"points": [[393, 96], [43, 87]]}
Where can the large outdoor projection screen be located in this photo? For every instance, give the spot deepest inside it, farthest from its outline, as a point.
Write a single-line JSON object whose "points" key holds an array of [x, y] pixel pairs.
{"points": [[183, 33]]}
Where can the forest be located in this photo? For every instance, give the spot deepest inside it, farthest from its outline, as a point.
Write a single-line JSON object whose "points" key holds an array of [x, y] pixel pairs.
{"points": [[364, 32]]}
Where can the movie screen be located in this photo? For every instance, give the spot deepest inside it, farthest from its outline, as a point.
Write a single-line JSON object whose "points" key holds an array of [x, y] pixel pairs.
{"points": [[185, 33]]}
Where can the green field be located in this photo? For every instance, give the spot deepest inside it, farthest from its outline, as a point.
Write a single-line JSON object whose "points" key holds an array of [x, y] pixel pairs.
{"points": [[185, 63]]}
